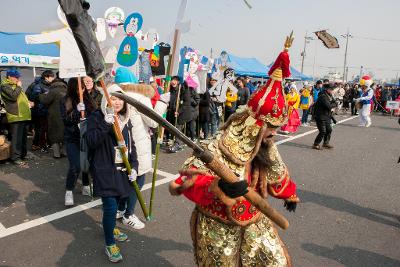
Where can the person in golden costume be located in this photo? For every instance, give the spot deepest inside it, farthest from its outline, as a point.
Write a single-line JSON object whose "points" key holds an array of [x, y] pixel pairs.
{"points": [[227, 230]]}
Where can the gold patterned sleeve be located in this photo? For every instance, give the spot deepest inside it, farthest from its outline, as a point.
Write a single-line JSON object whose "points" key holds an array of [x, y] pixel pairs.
{"points": [[279, 182], [277, 170]]}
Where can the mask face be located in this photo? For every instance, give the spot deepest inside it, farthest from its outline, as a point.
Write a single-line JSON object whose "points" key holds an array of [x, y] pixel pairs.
{"points": [[114, 16], [229, 74]]}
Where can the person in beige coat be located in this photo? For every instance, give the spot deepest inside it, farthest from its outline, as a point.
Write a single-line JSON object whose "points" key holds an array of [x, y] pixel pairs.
{"points": [[141, 136]]}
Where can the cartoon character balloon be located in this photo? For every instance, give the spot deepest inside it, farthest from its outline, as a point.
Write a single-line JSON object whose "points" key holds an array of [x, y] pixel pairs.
{"points": [[114, 16], [128, 50]]}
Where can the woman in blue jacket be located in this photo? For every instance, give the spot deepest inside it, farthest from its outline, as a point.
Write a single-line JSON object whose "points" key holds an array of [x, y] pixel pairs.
{"points": [[110, 180]]}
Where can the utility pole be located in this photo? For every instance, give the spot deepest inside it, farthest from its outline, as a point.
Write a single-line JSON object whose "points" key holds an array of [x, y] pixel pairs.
{"points": [[347, 35], [303, 54], [361, 73], [211, 53]]}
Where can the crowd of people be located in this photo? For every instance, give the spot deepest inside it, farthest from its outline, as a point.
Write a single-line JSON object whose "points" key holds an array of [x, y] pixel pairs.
{"points": [[52, 110], [44, 111]]}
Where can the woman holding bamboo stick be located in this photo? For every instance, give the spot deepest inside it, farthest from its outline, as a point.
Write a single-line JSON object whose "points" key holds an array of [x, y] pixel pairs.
{"points": [[111, 181]]}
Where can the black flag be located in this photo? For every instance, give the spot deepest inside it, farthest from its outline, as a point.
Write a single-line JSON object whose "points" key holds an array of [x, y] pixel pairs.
{"points": [[328, 40], [83, 27]]}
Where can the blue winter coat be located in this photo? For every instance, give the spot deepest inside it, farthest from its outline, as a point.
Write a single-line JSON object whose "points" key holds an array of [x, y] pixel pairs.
{"points": [[107, 179], [40, 87]]}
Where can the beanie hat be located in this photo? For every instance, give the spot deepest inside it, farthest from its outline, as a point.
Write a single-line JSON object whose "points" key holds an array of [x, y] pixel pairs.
{"points": [[13, 73], [125, 76]]}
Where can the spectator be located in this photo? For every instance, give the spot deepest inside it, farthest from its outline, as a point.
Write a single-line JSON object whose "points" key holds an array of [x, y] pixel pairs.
{"points": [[52, 100], [230, 104], [378, 94], [187, 110], [39, 111], [293, 100], [305, 103], [140, 133], [215, 110], [346, 97], [338, 94], [71, 114], [92, 90], [315, 91], [323, 117], [172, 115], [243, 93], [205, 113], [247, 83], [385, 96], [110, 180], [354, 93], [18, 113]]}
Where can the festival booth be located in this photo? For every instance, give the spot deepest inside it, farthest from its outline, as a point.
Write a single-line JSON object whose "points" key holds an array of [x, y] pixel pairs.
{"points": [[15, 52]]}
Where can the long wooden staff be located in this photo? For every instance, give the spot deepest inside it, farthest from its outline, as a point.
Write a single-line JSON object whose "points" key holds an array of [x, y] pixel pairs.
{"points": [[161, 130], [80, 91], [83, 118], [123, 150]]}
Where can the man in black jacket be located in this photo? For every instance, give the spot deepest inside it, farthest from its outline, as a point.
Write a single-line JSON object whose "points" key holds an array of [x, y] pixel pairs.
{"points": [[187, 106], [323, 117]]}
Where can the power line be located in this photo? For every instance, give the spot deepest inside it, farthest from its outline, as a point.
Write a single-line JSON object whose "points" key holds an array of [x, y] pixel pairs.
{"points": [[377, 39]]}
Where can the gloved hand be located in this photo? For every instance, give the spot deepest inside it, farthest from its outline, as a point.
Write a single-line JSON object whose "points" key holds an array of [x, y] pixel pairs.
{"points": [[109, 116], [80, 107], [132, 177], [233, 190], [165, 98], [290, 205]]}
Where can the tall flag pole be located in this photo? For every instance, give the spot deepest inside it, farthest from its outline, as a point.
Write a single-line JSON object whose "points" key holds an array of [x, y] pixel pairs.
{"points": [[180, 27]]}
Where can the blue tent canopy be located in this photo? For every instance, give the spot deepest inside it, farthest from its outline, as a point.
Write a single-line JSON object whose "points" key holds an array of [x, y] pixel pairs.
{"points": [[295, 74], [14, 43], [247, 66], [254, 68]]}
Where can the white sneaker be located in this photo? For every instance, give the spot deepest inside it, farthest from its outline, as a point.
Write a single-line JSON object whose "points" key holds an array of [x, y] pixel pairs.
{"points": [[361, 125], [120, 214], [69, 198], [368, 124], [86, 190], [133, 222]]}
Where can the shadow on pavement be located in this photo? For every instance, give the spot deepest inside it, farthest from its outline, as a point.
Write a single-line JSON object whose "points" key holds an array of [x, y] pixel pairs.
{"points": [[341, 204], [7, 195], [87, 246], [350, 256], [374, 126], [298, 145]]}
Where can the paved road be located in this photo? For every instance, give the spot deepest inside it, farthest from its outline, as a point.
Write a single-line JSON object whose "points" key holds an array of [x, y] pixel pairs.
{"points": [[349, 215]]}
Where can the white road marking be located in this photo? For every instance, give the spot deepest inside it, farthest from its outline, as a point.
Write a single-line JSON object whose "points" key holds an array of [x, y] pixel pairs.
{"points": [[58, 215], [309, 132]]}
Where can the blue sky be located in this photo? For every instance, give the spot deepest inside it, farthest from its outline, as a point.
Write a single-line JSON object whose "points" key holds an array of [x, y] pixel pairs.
{"points": [[258, 32]]}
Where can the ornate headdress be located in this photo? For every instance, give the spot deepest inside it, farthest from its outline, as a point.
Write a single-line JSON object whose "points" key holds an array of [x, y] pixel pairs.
{"points": [[267, 107]]}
